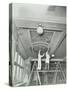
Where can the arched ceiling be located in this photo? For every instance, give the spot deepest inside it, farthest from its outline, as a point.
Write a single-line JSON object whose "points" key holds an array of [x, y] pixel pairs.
{"points": [[31, 42], [27, 17]]}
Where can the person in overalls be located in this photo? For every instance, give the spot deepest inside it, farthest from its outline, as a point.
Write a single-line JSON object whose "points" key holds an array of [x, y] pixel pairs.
{"points": [[39, 60], [47, 60]]}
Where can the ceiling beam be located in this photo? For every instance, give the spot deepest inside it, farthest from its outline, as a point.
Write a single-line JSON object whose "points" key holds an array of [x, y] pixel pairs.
{"points": [[27, 24], [58, 43], [29, 36], [48, 19], [21, 44], [35, 29]]}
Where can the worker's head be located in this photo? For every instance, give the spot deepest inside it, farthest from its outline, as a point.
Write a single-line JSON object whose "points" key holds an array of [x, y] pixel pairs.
{"points": [[48, 50]]}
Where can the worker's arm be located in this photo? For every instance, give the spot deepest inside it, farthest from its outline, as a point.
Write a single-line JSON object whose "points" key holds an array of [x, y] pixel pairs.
{"points": [[42, 55]]}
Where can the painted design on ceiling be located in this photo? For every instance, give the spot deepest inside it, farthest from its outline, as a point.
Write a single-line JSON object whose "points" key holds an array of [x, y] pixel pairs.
{"points": [[31, 42], [46, 37]]}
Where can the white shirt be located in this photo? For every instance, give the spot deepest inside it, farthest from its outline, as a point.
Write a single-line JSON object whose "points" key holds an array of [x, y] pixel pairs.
{"points": [[47, 57]]}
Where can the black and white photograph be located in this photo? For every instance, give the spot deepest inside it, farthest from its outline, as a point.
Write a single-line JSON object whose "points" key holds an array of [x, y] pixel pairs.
{"points": [[37, 44]]}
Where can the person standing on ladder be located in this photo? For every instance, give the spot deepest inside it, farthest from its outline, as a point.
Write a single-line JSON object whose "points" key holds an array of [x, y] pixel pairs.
{"points": [[47, 60], [39, 60]]}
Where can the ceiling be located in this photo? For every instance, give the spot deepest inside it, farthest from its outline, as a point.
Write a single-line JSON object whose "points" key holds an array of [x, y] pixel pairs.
{"points": [[30, 43], [42, 13], [26, 19]]}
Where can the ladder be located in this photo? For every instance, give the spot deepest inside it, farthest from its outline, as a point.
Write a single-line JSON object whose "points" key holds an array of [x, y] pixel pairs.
{"points": [[37, 72], [58, 65]]}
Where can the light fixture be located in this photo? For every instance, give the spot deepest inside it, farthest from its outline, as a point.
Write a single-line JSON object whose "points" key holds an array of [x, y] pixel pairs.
{"points": [[40, 29], [53, 55]]}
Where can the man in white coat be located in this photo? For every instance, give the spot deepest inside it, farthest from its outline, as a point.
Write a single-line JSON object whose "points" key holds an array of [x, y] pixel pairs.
{"points": [[47, 60], [39, 60]]}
